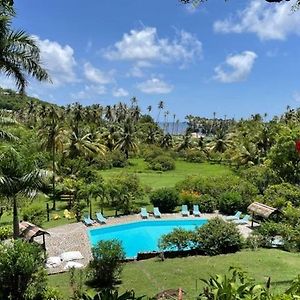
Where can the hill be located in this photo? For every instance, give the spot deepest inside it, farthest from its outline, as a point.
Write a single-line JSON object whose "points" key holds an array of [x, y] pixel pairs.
{"points": [[11, 100]]}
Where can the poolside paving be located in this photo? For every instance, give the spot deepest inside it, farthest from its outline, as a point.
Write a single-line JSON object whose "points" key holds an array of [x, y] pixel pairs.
{"points": [[74, 237]]}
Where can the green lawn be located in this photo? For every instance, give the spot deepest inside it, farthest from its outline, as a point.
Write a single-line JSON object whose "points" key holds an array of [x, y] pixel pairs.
{"points": [[151, 276], [155, 179]]}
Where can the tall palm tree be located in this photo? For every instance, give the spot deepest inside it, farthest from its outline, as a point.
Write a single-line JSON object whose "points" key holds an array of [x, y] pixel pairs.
{"points": [[53, 136], [126, 142], [19, 54], [161, 106], [18, 178]]}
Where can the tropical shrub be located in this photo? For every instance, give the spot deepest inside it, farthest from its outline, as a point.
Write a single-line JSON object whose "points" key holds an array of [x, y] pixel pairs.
{"points": [[106, 264], [179, 239], [218, 237], [109, 294], [194, 155], [207, 203], [162, 163], [260, 176], [279, 195], [5, 232], [189, 197], [118, 159], [230, 202], [217, 185], [20, 261], [166, 199], [233, 285], [34, 213], [122, 190]]}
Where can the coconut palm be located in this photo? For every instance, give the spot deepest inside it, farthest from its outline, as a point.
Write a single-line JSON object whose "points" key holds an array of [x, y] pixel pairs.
{"points": [[17, 177], [5, 135], [161, 106], [52, 139], [19, 54], [220, 143], [127, 139]]}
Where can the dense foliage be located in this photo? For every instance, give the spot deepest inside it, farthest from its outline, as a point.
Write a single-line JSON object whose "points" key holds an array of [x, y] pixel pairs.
{"points": [[106, 264], [19, 262], [166, 199]]}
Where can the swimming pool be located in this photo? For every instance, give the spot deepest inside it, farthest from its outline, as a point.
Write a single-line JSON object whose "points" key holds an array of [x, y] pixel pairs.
{"points": [[141, 236]]}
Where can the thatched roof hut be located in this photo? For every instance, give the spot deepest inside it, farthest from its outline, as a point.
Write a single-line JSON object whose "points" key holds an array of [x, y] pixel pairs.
{"points": [[262, 210], [29, 231]]}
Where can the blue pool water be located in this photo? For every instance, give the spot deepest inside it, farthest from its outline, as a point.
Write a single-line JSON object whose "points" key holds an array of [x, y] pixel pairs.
{"points": [[141, 236]]}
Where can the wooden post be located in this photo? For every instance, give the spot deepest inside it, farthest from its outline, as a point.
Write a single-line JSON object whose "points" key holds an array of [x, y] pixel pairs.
{"points": [[91, 209], [252, 220], [47, 209]]}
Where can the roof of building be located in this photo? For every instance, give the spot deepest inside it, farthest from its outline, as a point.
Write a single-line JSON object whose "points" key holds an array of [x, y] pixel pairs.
{"points": [[262, 210], [30, 231]]}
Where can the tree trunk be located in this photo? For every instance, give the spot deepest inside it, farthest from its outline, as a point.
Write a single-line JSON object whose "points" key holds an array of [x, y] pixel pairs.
{"points": [[15, 218], [53, 176]]}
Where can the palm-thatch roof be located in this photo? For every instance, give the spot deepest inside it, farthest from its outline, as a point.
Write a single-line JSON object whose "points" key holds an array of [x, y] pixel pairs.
{"points": [[262, 210], [29, 231]]}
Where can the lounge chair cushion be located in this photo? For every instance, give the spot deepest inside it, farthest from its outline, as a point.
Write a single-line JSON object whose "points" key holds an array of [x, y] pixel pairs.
{"points": [[53, 262], [71, 255], [73, 264]]}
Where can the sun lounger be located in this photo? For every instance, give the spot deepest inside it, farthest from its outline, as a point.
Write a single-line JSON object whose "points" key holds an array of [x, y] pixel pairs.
{"points": [[234, 217], [245, 220], [100, 218], [88, 221], [144, 213], [184, 211], [196, 211], [156, 212]]}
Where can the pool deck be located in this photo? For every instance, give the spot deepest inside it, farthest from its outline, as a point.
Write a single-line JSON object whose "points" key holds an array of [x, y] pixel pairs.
{"points": [[74, 237]]}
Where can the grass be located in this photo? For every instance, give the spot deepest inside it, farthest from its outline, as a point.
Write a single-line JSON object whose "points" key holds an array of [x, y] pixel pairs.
{"points": [[152, 179], [157, 179], [152, 276]]}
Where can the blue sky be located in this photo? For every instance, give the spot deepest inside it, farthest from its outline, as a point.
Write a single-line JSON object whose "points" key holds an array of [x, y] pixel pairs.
{"points": [[235, 58]]}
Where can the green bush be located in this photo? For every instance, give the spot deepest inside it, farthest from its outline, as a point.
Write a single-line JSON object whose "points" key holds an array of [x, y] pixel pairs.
{"points": [[166, 199], [194, 155], [218, 237], [20, 261], [106, 264], [118, 159], [189, 198], [279, 195], [217, 185], [230, 202], [5, 232], [162, 163], [179, 239], [207, 203], [35, 214]]}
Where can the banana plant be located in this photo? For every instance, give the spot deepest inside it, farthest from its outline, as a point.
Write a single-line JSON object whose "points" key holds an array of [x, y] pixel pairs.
{"points": [[108, 294]]}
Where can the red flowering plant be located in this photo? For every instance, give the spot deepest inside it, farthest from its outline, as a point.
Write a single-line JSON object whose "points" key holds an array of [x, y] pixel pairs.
{"points": [[297, 146]]}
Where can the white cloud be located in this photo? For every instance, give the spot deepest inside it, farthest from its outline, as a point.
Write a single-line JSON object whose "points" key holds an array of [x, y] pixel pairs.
{"points": [[236, 67], [269, 22], [89, 92], [155, 86], [145, 45], [58, 60], [97, 76], [120, 92]]}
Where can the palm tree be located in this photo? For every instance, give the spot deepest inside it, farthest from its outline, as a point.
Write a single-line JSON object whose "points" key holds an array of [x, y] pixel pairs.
{"points": [[19, 54], [18, 178], [127, 139], [52, 136], [5, 135], [161, 106], [220, 142]]}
